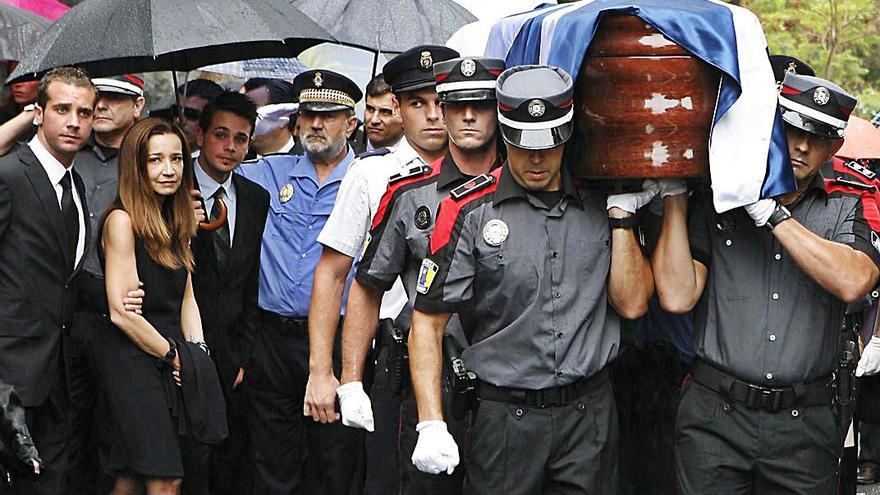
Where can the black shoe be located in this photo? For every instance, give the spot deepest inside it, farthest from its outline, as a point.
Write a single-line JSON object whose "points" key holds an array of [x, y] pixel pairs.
{"points": [[867, 475]]}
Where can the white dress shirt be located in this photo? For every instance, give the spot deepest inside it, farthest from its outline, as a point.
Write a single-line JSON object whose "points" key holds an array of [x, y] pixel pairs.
{"points": [[208, 187]]}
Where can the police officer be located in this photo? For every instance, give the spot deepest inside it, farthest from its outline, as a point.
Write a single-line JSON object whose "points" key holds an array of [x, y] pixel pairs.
{"points": [[292, 453], [770, 282], [399, 240], [538, 272], [411, 77]]}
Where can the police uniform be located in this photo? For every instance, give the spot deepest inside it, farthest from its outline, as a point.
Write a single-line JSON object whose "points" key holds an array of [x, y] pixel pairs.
{"points": [[293, 453], [528, 278], [757, 415], [399, 240], [347, 231]]}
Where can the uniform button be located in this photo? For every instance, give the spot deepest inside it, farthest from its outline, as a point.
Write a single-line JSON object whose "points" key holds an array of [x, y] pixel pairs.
{"points": [[304, 255], [91, 215], [500, 256], [726, 407], [777, 256], [794, 413], [554, 254], [98, 188], [769, 376], [775, 296], [728, 242], [518, 412], [559, 335], [559, 373], [310, 227], [581, 406], [772, 338], [556, 294]]}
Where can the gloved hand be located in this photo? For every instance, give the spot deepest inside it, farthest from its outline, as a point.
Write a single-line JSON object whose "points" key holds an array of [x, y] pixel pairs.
{"points": [[436, 450], [869, 364], [631, 202], [271, 117], [355, 406], [761, 210], [671, 187]]}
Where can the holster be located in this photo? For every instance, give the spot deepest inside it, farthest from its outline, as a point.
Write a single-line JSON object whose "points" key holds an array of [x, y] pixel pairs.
{"points": [[397, 363], [464, 382]]}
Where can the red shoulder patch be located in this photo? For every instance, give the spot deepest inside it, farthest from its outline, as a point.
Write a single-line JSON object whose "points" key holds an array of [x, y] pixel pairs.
{"points": [[449, 210]]}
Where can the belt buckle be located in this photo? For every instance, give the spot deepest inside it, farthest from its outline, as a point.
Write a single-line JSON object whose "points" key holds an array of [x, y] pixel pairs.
{"points": [[766, 398]]}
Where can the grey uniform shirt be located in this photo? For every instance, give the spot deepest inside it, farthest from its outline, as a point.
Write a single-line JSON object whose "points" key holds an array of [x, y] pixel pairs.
{"points": [[97, 167], [401, 228], [529, 282], [761, 317]]}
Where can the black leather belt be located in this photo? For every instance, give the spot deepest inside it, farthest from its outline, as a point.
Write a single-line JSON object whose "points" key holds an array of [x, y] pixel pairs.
{"points": [[545, 397], [288, 323], [815, 393]]}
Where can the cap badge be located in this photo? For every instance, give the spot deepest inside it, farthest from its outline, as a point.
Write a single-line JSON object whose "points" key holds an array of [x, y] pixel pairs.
{"points": [[536, 108], [285, 193], [495, 232], [319, 80], [468, 67], [792, 68], [426, 61], [821, 96]]}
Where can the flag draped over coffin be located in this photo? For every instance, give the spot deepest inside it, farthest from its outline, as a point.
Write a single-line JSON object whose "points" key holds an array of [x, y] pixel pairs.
{"points": [[748, 154]]}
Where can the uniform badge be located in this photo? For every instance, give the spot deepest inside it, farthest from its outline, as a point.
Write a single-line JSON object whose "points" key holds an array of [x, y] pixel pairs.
{"points": [[423, 217], [536, 108], [285, 193], [367, 240], [426, 276], [425, 61], [319, 80], [495, 232], [468, 67], [861, 169], [821, 96]]}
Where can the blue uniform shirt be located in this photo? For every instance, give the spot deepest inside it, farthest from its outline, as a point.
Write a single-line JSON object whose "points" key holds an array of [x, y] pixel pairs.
{"points": [[290, 249]]}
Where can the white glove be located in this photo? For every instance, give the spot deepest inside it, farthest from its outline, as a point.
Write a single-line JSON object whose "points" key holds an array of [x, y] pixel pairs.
{"points": [[761, 210], [436, 450], [631, 202], [355, 406], [271, 117], [672, 187], [869, 364]]}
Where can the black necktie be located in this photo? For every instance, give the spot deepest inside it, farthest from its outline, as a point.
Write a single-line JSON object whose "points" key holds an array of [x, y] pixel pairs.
{"points": [[71, 217], [221, 236]]}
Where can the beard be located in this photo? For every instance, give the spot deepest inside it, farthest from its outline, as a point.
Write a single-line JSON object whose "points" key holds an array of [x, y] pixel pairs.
{"points": [[323, 150]]}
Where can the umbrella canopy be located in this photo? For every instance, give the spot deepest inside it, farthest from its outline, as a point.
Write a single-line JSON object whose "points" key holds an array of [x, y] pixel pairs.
{"points": [[50, 9], [109, 37], [861, 140], [278, 68], [387, 25], [19, 31]]}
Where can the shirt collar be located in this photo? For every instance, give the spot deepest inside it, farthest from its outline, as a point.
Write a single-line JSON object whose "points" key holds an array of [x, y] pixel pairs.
{"points": [[450, 174], [289, 146], [305, 168], [406, 153], [207, 185], [54, 169], [508, 187]]}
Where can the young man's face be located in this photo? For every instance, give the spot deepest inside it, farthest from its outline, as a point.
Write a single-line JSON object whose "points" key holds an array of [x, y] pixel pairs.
{"points": [[471, 124], [66, 122], [224, 144], [808, 152], [536, 170], [192, 110], [422, 122], [382, 120]]}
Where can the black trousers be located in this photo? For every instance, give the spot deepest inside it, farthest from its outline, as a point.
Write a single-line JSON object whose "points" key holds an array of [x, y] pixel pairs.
{"points": [[518, 450], [724, 447], [383, 474], [293, 454], [230, 463], [869, 444]]}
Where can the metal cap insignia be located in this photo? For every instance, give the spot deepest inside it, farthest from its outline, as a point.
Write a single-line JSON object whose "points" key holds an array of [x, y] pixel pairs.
{"points": [[426, 62], [536, 108], [468, 67], [821, 96], [319, 80]]}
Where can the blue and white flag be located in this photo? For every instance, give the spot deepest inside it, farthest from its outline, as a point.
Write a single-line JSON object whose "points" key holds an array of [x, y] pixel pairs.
{"points": [[748, 154]]}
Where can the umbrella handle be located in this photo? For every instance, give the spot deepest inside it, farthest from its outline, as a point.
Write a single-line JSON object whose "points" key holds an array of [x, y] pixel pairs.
{"points": [[217, 222]]}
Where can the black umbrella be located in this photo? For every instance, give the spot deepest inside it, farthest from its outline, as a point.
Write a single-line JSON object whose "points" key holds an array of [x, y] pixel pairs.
{"points": [[387, 25], [19, 31], [108, 37]]}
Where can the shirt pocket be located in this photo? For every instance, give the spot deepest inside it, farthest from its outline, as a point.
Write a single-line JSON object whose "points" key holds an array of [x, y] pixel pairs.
{"points": [[505, 281]]}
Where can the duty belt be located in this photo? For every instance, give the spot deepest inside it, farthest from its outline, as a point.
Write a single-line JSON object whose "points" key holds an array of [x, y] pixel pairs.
{"points": [[288, 323], [545, 397], [772, 399]]}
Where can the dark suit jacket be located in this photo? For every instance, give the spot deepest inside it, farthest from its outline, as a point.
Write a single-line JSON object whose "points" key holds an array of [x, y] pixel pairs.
{"points": [[37, 289], [227, 298]]}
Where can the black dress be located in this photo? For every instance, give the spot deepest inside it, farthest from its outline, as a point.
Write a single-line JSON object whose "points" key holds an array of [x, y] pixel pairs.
{"points": [[139, 389]]}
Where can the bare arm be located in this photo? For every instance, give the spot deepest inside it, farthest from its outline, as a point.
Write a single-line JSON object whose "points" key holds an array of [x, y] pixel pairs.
{"points": [[426, 362], [359, 329], [630, 281], [13, 128], [190, 319], [120, 277], [841, 270], [679, 278]]}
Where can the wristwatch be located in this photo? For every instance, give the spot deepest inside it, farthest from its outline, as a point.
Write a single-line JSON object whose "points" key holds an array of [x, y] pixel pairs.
{"points": [[629, 222], [779, 215], [172, 352]]}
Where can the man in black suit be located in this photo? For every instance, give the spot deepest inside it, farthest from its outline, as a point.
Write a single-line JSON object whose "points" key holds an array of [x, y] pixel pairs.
{"points": [[43, 235], [227, 271]]}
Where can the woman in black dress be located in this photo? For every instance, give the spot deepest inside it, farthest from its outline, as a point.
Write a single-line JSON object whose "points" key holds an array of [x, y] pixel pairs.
{"points": [[146, 238]]}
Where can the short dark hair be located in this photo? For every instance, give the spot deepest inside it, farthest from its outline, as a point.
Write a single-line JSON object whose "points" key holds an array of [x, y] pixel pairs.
{"points": [[280, 91], [377, 86], [232, 102], [203, 88], [68, 75]]}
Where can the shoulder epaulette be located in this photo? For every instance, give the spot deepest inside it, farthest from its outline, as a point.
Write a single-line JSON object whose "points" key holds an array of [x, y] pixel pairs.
{"points": [[413, 170], [860, 169], [853, 184], [472, 185], [375, 152]]}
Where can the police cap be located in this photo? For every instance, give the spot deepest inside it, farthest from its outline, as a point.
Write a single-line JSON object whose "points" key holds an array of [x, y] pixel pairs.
{"points": [[321, 90], [126, 84], [535, 106], [815, 105], [467, 79], [413, 69], [783, 64]]}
